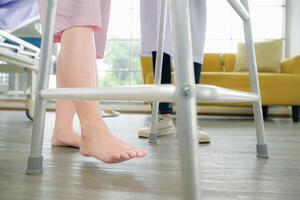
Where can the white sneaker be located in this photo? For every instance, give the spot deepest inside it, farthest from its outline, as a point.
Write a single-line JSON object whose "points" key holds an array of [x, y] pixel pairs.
{"points": [[203, 137], [165, 127]]}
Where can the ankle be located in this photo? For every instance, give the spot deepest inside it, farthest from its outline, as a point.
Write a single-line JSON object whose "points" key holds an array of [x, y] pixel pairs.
{"points": [[60, 129], [91, 121], [88, 129]]}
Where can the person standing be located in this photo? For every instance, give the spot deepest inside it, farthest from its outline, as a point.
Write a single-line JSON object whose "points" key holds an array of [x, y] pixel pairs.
{"points": [[150, 18]]}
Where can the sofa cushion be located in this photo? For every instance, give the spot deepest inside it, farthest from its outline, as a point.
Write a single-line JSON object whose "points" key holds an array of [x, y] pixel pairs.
{"points": [[229, 61], [212, 63], [268, 56]]}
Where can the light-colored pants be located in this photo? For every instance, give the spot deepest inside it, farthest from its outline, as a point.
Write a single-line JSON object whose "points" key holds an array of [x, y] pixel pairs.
{"points": [[75, 13], [150, 18]]}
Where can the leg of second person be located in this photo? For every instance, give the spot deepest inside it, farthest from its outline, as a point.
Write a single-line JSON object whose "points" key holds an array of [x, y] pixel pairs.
{"points": [[203, 137], [166, 78], [165, 109], [165, 124]]}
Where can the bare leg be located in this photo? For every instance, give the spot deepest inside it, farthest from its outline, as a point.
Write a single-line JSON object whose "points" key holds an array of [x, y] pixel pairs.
{"points": [[77, 57], [64, 134]]}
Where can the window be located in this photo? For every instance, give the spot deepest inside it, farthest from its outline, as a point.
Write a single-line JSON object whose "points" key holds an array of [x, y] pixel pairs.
{"points": [[225, 28], [121, 65], [4, 78]]}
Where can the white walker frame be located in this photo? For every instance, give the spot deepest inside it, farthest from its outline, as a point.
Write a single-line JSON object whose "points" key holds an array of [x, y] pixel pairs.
{"points": [[184, 93]]}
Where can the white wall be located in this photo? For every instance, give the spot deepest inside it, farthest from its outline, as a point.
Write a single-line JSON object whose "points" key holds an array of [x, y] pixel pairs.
{"points": [[292, 27]]}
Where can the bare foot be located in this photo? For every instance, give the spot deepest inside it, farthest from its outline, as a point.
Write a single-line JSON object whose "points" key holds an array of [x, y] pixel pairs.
{"points": [[99, 143], [65, 138]]}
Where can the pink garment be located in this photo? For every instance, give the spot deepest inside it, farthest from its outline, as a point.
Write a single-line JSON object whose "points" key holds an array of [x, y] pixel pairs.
{"points": [[89, 13]]}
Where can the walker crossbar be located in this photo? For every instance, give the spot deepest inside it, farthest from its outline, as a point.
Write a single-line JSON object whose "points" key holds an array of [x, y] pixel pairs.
{"points": [[184, 92], [152, 93]]}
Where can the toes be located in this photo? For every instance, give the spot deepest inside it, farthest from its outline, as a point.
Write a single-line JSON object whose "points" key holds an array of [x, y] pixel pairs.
{"points": [[132, 154], [118, 158], [125, 155], [115, 157], [140, 154]]}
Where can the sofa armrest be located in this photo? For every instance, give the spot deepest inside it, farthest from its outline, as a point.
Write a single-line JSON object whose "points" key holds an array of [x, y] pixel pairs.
{"points": [[291, 65], [150, 80], [146, 64]]}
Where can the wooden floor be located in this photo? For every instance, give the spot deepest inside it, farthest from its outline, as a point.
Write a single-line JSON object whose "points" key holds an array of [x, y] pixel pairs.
{"points": [[228, 166]]}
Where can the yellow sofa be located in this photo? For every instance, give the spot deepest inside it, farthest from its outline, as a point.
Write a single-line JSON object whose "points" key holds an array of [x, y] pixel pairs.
{"points": [[277, 89]]}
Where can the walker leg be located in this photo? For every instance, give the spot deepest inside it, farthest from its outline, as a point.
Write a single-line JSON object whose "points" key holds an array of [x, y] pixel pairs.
{"points": [[158, 71], [29, 96], [31, 89], [154, 123], [185, 98], [261, 147], [35, 159]]}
